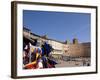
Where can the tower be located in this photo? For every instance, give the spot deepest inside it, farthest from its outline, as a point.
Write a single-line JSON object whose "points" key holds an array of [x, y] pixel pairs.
{"points": [[45, 36], [75, 41], [67, 42]]}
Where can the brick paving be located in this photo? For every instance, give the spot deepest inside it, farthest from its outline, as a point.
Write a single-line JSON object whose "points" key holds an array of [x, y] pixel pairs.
{"points": [[74, 63]]}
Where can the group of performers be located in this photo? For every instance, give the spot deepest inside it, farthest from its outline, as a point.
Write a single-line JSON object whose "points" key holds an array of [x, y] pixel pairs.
{"points": [[37, 57]]}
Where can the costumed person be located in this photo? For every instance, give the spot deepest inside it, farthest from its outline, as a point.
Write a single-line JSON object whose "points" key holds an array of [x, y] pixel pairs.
{"points": [[36, 61], [47, 63], [26, 53]]}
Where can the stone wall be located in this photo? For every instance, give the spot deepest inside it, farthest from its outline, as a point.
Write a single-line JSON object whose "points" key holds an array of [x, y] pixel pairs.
{"points": [[78, 50]]}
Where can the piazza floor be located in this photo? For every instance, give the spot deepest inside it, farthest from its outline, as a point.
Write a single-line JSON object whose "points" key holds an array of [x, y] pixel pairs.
{"points": [[76, 62]]}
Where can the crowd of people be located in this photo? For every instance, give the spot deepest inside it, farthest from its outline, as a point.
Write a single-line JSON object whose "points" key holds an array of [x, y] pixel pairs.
{"points": [[37, 57]]}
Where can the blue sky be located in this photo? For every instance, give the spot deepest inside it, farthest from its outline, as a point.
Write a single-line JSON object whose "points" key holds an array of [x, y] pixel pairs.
{"points": [[60, 26]]}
